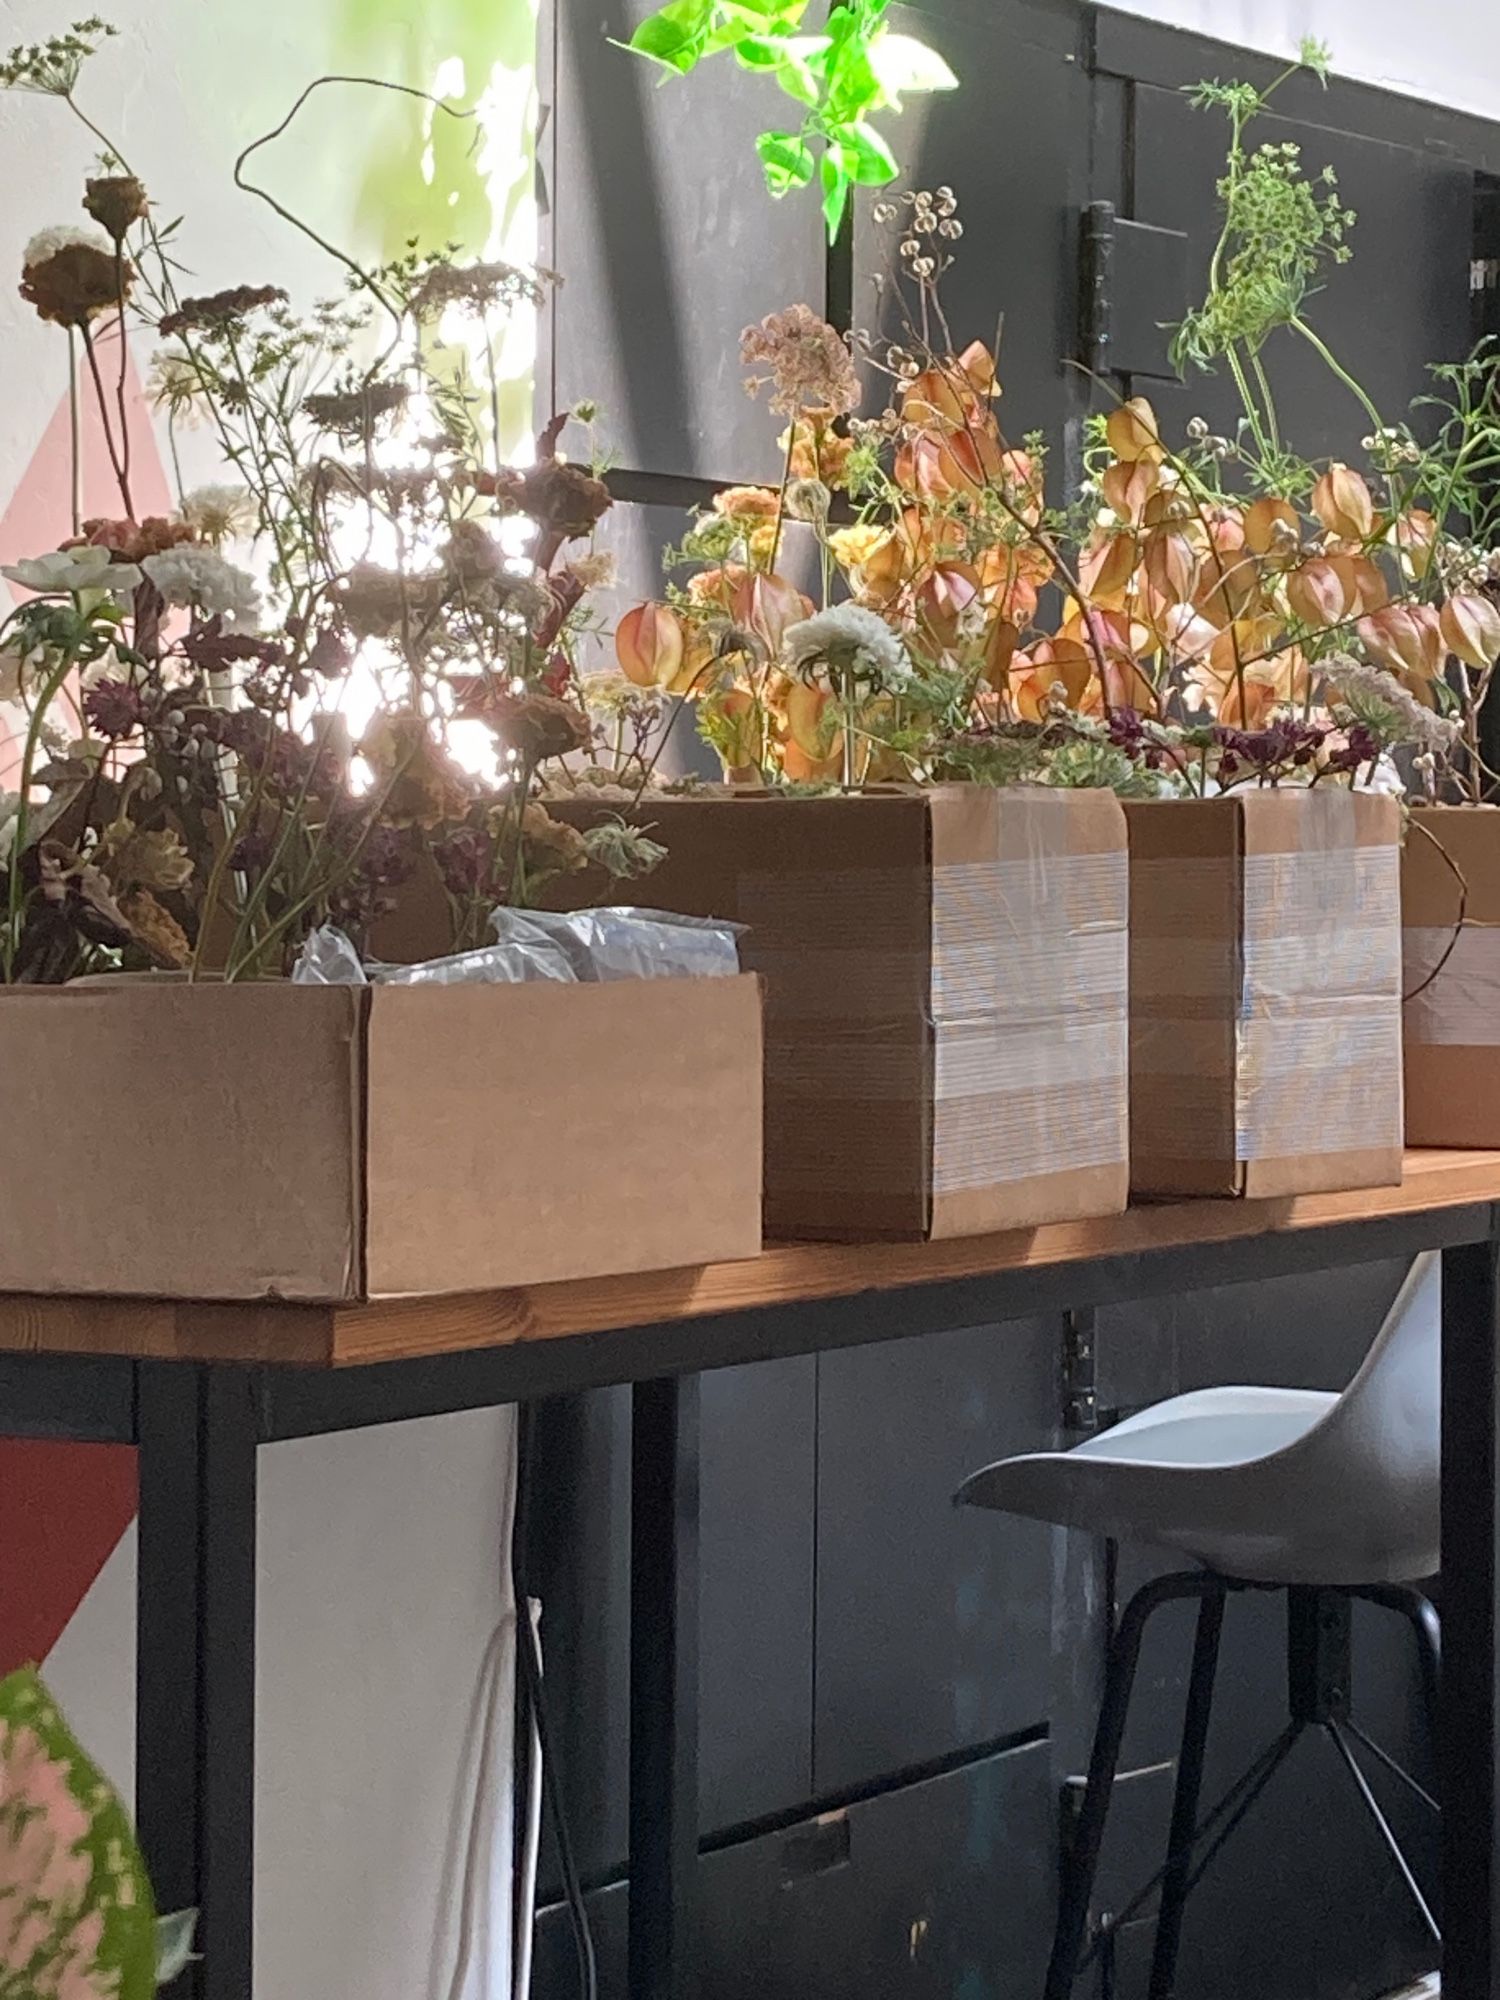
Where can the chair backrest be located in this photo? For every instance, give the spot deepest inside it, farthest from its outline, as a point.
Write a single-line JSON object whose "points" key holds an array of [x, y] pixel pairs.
{"points": [[1381, 1442]]}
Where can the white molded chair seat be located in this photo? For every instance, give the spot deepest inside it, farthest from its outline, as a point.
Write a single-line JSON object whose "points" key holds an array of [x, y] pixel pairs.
{"points": [[1279, 1486]]}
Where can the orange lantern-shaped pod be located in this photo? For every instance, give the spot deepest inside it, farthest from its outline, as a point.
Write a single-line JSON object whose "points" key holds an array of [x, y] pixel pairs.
{"points": [[650, 645], [1105, 568], [1319, 594], [1365, 589], [765, 605], [1342, 502], [1272, 528], [1470, 626], [943, 598], [1407, 640], [1133, 432]]}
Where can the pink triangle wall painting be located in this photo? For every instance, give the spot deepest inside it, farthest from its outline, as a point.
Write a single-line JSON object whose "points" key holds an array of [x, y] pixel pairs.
{"points": [[38, 512]]}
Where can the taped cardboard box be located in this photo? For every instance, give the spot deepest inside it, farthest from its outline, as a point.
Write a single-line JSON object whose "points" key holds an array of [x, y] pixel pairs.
{"points": [[333, 1142], [1265, 1007], [1450, 940], [946, 1029]]}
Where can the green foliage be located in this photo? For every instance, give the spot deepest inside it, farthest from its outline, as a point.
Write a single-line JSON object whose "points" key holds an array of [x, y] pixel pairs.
{"points": [[839, 79], [76, 1917], [52, 67]]}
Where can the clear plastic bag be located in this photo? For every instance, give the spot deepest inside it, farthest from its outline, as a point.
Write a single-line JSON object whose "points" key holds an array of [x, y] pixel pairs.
{"points": [[531, 945], [329, 959], [630, 943]]}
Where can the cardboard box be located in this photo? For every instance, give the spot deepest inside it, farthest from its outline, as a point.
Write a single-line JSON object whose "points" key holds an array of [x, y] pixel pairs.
{"points": [[1450, 938], [326, 1143], [1265, 993], [946, 1031]]}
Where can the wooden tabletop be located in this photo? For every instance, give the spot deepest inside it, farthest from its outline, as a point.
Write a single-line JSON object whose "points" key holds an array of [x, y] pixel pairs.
{"points": [[402, 1329]]}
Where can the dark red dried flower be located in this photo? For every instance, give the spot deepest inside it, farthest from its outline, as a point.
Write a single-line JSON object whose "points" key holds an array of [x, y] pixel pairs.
{"points": [[114, 708], [219, 309]]}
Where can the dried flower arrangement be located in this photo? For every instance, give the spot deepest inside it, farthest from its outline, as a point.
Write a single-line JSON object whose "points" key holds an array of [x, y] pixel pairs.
{"points": [[1200, 616], [197, 788]]}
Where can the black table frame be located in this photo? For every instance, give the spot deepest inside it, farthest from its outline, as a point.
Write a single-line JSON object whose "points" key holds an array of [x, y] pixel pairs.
{"points": [[198, 1426]]}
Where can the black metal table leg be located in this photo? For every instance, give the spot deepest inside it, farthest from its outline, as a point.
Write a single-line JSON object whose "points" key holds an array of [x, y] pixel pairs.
{"points": [[197, 1431], [1471, 1522], [664, 1689]]}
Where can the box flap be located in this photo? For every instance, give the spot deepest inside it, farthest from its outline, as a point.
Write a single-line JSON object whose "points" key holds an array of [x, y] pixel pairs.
{"points": [[520, 1134], [191, 1141]]}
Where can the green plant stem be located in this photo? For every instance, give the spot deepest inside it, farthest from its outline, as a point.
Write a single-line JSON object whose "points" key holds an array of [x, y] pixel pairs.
{"points": [[15, 901], [1266, 396], [75, 443], [1326, 354]]}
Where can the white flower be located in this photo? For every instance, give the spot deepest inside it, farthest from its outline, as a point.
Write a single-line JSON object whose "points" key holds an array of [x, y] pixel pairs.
{"points": [[173, 383], [220, 513], [64, 236], [853, 639], [202, 580], [107, 666], [596, 571], [10, 805], [1419, 724], [65, 570]]}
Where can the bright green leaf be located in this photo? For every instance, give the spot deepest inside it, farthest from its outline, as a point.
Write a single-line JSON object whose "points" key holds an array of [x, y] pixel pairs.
{"points": [[797, 80], [758, 51], [835, 183], [675, 34], [901, 62], [867, 157], [788, 161]]}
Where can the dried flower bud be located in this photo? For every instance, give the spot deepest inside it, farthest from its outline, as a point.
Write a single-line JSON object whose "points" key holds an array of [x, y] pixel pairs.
{"points": [[117, 202]]}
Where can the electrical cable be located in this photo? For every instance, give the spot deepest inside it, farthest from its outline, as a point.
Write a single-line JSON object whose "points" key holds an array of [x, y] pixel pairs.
{"points": [[528, 1656]]}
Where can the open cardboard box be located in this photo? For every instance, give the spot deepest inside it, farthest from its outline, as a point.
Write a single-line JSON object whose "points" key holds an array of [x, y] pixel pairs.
{"points": [[324, 1143]]}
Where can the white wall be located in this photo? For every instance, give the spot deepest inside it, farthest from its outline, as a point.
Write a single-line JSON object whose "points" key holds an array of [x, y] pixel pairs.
{"points": [[1447, 51]]}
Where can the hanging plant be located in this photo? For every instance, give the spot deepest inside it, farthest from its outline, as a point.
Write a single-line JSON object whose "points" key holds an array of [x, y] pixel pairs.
{"points": [[840, 79]]}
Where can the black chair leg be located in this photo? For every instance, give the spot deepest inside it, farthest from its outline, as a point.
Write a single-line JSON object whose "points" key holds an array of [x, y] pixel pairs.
{"points": [[1081, 1864], [1177, 1876], [1421, 1614]]}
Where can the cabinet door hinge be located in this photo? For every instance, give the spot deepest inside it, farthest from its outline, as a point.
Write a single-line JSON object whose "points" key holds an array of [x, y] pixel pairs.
{"points": [[1080, 1388], [1133, 290]]}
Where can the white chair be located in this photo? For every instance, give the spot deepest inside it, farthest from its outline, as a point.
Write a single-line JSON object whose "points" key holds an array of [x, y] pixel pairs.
{"points": [[1327, 1497]]}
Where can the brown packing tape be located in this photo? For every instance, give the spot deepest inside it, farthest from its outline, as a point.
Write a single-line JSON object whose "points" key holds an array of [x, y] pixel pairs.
{"points": [[1030, 895], [1319, 1063], [1270, 1035]]}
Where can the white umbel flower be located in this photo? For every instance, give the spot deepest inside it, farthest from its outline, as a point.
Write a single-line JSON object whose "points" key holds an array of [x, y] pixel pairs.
{"points": [[851, 639], [220, 513], [64, 236], [201, 580]]}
